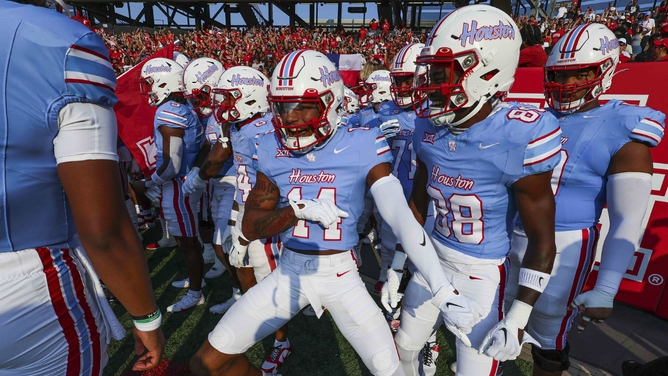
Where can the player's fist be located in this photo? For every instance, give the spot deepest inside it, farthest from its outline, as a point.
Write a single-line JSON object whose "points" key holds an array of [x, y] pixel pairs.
{"points": [[460, 313], [597, 305], [154, 194], [193, 182], [238, 252], [390, 128], [226, 239], [322, 210], [389, 294], [502, 342]]}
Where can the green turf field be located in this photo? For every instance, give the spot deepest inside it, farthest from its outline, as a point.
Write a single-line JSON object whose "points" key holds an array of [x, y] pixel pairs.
{"points": [[317, 346]]}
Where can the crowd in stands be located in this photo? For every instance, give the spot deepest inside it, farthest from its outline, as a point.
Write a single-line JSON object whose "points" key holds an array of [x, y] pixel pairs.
{"points": [[263, 47]]}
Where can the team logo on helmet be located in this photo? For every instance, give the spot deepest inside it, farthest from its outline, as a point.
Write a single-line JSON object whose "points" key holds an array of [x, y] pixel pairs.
{"points": [[329, 78], [608, 46], [202, 76], [238, 80], [472, 33], [150, 69]]}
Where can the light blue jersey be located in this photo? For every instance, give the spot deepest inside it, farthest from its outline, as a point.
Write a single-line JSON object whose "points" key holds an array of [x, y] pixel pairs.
{"points": [[589, 140], [44, 68], [368, 117], [179, 116], [405, 163], [244, 142], [350, 120], [338, 171], [212, 134], [471, 174]]}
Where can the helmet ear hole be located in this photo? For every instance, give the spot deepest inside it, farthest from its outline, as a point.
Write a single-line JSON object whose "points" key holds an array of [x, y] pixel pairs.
{"points": [[489, 75]]}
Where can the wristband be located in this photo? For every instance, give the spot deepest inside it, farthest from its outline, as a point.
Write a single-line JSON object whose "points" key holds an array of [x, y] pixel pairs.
{"points": [[157, 179], [148, 323], [149, 183], [198, 180], [534, 279], [520, 313]]}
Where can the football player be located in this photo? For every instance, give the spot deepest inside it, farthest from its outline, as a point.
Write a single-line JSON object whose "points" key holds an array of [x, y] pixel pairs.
{"points": [[61, 191], [377, 91], [605, 159], [240, 99], [351, 106], [310, 186], [481, 161], [178, 138]]}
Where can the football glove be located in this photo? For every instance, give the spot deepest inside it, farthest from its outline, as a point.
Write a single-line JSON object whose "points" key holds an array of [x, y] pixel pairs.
{"points": [[238, 252], [593, 299], [193, 182], [322, 210], [502, 342], [390, 128], [460, 313], [154, 194], [389, 294], [226, 239]]}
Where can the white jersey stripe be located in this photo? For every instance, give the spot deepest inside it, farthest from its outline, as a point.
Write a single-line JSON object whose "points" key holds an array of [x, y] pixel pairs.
{"points": [[88, 56], [528, 161], [544, 140], [91, 78], [652, 123]]}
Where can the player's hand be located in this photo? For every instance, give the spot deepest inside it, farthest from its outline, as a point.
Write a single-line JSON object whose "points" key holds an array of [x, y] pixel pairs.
{"points": [[227, 239], [390, 128], [153, 343], [154, 194], [193, 182], [135, 170], [597, 305], [239, 250], [139, 187], [460, 313], [503, 341], [321, 210], [389, 294]]}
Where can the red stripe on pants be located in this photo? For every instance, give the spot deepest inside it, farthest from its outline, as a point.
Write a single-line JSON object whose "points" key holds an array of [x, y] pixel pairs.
{"points": [[88, 315], [576, 279], [64, 318], [270, 254], [177, 209]]}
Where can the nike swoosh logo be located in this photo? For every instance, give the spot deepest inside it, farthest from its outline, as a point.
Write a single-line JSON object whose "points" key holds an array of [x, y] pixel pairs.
{"points": [[486, 147], [447, 305], [340, 274], [540, 281], [424, 240], [338, 151], [505, 336]]}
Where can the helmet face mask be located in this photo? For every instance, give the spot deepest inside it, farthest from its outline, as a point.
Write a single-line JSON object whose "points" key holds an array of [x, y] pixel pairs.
{"points": [[224, 104], [402, 74], [200, 76], [200, 100], [302, 121], [146, 90], [570, 96], [159, 78], [377, 88]]}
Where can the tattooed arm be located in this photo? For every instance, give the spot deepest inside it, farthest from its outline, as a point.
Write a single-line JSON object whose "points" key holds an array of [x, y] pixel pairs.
{"points": [[261, 218]]}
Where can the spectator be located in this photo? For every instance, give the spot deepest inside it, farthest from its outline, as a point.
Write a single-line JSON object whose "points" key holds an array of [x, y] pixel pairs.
{"points": [[362, 33], [648, 24], [531, 51], [624, 55], [646, 55], [635, 41], [373, 26], [562, 10], [660, 50], [386, 27], [661, 12]]}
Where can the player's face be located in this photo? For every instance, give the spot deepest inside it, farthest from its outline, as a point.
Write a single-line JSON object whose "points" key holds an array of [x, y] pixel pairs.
{"points": [[573, 77], [403, 81], [300, 113], [440, 74]]}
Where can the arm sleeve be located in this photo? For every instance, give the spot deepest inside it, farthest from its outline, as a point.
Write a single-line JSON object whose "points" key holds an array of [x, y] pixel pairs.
{"points": [[174, 164], [411, 235], [85, 132], [627, 196]]}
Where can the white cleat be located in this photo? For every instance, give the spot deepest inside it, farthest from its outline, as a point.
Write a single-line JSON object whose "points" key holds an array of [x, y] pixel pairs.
{"points": [[221, 308], [187, 301], [309, 311], [216, 270], [185, 284]]}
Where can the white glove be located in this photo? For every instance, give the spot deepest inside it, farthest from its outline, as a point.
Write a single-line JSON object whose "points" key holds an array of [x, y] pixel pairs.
{"points": [[389, 294], [321, 210], [193, 182], [227, 239], [502, 343], [593, 299], [154, 194], [460, 313], [238, 251], [390, 128]]}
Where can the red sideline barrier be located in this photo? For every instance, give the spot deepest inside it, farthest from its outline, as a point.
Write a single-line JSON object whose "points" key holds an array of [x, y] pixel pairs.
{"points": [[640, 84]]}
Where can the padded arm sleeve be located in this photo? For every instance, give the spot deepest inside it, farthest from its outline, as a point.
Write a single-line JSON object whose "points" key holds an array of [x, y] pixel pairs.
{"points": [[86, 131], [410, 234], [174, 165], [627, 196]]}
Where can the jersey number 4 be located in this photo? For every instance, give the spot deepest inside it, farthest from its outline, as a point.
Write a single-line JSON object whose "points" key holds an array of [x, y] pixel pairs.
{"points": [[465, 221], [301, 229]]}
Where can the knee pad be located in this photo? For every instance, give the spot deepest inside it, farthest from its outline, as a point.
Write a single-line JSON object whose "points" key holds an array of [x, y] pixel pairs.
{"points": [[385, 362], [551, 360], [404, 341], [222, 339]]}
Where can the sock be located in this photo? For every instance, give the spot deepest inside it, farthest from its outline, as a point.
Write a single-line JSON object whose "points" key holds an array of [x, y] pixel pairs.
{"points": [[197, 294], [282, 344], [236, 293]]}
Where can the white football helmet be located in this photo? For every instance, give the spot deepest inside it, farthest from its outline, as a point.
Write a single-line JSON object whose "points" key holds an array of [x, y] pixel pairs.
{"points": [[306, 97], [351, 102], [377, 87], [241, 94], [471, 54], [403, 70], [200, 76], [181, 59], [159, 78], [588, 46]]}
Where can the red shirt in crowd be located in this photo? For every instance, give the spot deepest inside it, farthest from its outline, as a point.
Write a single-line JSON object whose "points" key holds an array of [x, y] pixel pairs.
{"points": [[664, 27], [533, 56], [556, 35], [664, 60], [333, 43], [373, 25], [363, 32], [386, 27]]}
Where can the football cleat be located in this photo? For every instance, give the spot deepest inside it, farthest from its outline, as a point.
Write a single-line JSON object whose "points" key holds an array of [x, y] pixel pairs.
{"points": [[224, 307], [185, 284], [309, 311], [162, 243], [278, 354], [429, 355], [187, 301], [216, 270], [146, 219]]}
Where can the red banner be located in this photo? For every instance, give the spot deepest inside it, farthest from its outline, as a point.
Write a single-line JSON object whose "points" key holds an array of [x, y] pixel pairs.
{"points": [[135, 118], [640, 84]]}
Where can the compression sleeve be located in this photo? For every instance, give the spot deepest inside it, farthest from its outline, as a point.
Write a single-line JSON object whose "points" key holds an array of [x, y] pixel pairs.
{"points": [[174, 164], [627, 196], [410, 234], [86, 131]]}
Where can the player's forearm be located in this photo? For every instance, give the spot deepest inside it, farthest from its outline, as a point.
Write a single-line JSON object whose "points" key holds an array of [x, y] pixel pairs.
{"points": [[202, 155], [263, 223], [215, 161]]}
